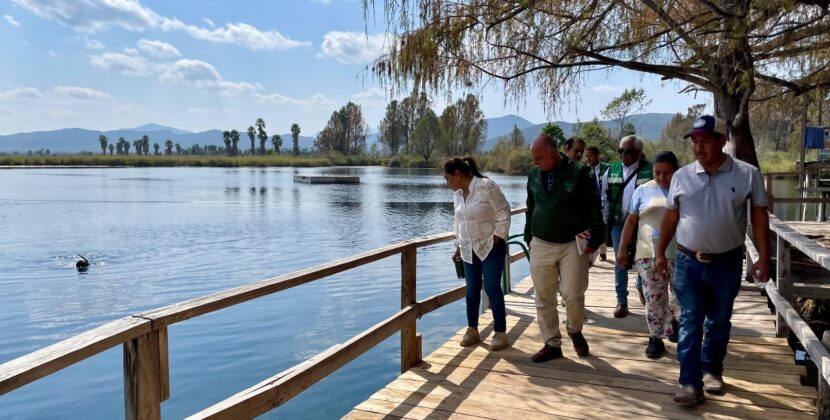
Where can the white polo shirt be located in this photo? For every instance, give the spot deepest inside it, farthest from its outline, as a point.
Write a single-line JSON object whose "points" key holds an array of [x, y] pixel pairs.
{"points": [[713, 208]]}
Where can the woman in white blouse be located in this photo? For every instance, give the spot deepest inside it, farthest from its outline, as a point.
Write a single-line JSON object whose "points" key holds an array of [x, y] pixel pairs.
{"points": [[481, 224]]}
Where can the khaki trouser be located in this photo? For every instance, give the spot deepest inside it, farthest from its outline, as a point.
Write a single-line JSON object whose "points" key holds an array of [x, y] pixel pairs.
{"points": [[558, 266]]}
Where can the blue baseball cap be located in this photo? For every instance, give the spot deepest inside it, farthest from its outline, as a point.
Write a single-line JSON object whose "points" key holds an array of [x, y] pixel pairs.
{"points": [[707, 124]]}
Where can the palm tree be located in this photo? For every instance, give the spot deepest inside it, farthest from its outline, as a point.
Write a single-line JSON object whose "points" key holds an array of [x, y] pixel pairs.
{"points": [[103, 139], [226, 138], [126, 146], [261, 134], [112, 148], [168, 147], [276, 140], [178, 149], [234, 141], [138, 146], [145, 144], [156, 148], [252, 136], [295, 135]]}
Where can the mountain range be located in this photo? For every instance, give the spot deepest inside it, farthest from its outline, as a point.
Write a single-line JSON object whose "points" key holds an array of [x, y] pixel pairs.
{"points": [[71, 140]]}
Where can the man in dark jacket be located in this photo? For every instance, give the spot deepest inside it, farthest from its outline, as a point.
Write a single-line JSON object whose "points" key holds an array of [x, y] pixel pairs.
{"points": [[562, 205]]}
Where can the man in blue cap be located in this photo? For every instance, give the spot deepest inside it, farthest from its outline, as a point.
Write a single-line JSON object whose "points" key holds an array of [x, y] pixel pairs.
{"points": [[706, 208]]}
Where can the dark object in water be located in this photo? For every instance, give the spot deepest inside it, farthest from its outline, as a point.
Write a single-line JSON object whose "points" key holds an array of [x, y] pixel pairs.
{"points": [[82, 264]]}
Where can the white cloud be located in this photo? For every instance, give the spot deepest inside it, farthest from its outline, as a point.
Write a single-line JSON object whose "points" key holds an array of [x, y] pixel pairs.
{"points": [[608, 88], [371, 94], [205, 76], [81, 94], [21, 93], [158, 49], [92, 44], [53, 54], [95, 15], [315, 100], [209, 22], [352, 47], [11, 20], [125, 64], [131, 51]]}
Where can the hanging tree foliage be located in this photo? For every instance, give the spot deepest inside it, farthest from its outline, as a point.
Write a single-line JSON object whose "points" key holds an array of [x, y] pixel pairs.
{"points": [[725, 47]]}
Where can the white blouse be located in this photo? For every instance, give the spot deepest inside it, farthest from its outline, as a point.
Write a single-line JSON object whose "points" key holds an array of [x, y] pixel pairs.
{"points": [[483, 214]]}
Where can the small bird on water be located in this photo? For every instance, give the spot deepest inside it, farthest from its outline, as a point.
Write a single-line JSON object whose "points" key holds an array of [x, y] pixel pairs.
{"points": [[82, 264]]}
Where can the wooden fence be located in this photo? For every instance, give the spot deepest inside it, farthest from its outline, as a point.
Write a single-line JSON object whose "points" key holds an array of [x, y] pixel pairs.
{"points": [[144, 339]]}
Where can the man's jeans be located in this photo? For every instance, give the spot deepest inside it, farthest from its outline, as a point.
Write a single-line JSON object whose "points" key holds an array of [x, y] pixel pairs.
{"points": [[705, 292], [490, 269], [620, 273]]}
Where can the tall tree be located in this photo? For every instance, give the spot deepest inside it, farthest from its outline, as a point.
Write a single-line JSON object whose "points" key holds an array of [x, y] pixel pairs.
{"points": [[412, 108], [139, 147], [234, 142], [111, 148], [554, 131], [145, 144], [226, 138], [103, 140], [595, 134], [156, 147], [448, 142], [425, 135], [725, 47], [178, 149], [517, 138], [125, 147], [261, 135], [391, 128], [252, 136], [472, 127], [168, 147], [276, 141], [295, 137], [630, 102], [345, 132]]}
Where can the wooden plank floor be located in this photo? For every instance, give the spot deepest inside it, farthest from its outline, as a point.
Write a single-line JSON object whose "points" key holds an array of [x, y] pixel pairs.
{"points": [[615, 381]]}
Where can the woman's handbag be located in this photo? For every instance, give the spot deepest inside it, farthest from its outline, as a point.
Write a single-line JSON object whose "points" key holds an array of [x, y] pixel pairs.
{"points": [[459, 267]]}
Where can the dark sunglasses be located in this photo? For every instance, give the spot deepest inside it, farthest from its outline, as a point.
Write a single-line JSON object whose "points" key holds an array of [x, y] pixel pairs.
{"points": [[627, 151]]}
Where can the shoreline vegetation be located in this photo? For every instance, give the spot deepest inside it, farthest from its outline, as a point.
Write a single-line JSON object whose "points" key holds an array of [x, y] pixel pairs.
{"points": [[514, 162]]}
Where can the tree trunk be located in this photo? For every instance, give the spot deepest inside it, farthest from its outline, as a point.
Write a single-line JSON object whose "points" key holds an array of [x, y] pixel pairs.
{"points": [[727, 108]]}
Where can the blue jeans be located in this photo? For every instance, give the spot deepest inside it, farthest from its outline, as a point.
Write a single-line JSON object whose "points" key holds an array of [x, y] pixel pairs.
{"points": [[491, 269], [705, 292], [620, 273]]}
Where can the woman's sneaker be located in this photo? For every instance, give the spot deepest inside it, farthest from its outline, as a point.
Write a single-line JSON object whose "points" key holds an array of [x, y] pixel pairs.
{"points": [[499, 341], [655, 348], [470, 337]]}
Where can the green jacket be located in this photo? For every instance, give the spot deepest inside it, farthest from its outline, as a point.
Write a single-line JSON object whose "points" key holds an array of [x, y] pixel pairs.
{"points": [[572, 207], [603, 168], [614, 192]]}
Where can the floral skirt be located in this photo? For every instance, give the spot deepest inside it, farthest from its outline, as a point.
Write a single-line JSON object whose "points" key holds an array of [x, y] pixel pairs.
{"points": [[661, 304]]}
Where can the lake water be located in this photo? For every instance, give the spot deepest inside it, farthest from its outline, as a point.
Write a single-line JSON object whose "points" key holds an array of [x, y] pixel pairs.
{"points": [[157, 236]]}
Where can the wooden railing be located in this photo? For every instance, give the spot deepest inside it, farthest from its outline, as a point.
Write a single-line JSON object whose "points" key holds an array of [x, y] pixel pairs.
{"points": [[784, 286], [144, 339]]}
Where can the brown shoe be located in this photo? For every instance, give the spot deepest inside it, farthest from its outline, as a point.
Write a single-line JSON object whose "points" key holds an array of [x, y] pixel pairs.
{"points": [[580, 345], [547, 353], [621, 310], [688, 395], [713, 384]]}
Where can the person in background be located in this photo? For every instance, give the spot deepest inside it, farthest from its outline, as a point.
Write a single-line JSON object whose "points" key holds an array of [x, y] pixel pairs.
{"points": [[561, 204], [707, 208], [574, 148], [598, 169], [618, 185], [647, 207], [481, 224]]}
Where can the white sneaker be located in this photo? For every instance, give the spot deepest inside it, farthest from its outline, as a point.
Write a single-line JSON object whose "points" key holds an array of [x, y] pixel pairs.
{"points": [[499, 341], [470, 337]]}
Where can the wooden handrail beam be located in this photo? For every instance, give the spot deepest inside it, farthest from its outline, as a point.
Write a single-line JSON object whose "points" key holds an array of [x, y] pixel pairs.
{"points": [[33, 366], [800, 242]]}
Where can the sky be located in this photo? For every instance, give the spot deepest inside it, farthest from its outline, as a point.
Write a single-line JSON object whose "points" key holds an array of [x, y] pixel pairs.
{"points": [[217, 64]]}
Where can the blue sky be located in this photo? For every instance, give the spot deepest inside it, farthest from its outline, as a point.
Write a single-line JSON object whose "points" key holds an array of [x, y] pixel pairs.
{"points": [[203, 64]]}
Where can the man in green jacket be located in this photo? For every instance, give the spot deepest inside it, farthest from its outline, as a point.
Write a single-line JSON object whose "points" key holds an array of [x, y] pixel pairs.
{"points": [[598, 169], [562, 204]]}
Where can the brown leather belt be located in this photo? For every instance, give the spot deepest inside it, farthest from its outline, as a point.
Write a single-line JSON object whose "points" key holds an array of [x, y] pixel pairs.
{"points": [[706, 257]]}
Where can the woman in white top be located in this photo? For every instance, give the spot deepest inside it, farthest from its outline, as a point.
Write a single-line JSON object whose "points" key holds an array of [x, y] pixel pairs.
{"points": [[647, 207], [481, 224]]}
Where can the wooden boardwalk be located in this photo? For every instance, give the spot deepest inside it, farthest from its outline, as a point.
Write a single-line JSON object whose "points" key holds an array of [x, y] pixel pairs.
{"points": [[615, 381]]}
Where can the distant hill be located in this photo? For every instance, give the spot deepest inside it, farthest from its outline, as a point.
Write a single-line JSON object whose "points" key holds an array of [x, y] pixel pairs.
{"points": [[73, 140], [649, 126]]}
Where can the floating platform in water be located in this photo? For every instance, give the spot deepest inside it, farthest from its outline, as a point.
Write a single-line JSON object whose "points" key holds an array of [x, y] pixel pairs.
{"points": [[327, 179]]}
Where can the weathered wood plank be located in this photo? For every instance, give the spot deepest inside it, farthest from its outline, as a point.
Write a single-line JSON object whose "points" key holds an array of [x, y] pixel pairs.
{"points": [[808, 246], [164, 365], [142, 385], [409, 346], [33, 366]]}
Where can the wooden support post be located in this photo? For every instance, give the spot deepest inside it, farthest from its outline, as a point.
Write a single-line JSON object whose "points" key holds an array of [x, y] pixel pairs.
{"points": [[823, 389], [768, 186], [164, 366], [783, 281], [410, 350], [142, 378]]}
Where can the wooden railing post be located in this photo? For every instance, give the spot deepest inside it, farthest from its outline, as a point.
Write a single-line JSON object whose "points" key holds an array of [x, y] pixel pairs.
{"points": [[783, 281], [143, 387], [410, 346], [770, 195]]}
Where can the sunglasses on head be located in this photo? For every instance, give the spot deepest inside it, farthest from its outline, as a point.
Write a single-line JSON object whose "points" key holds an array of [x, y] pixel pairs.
{"points": [[627, 151]]}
